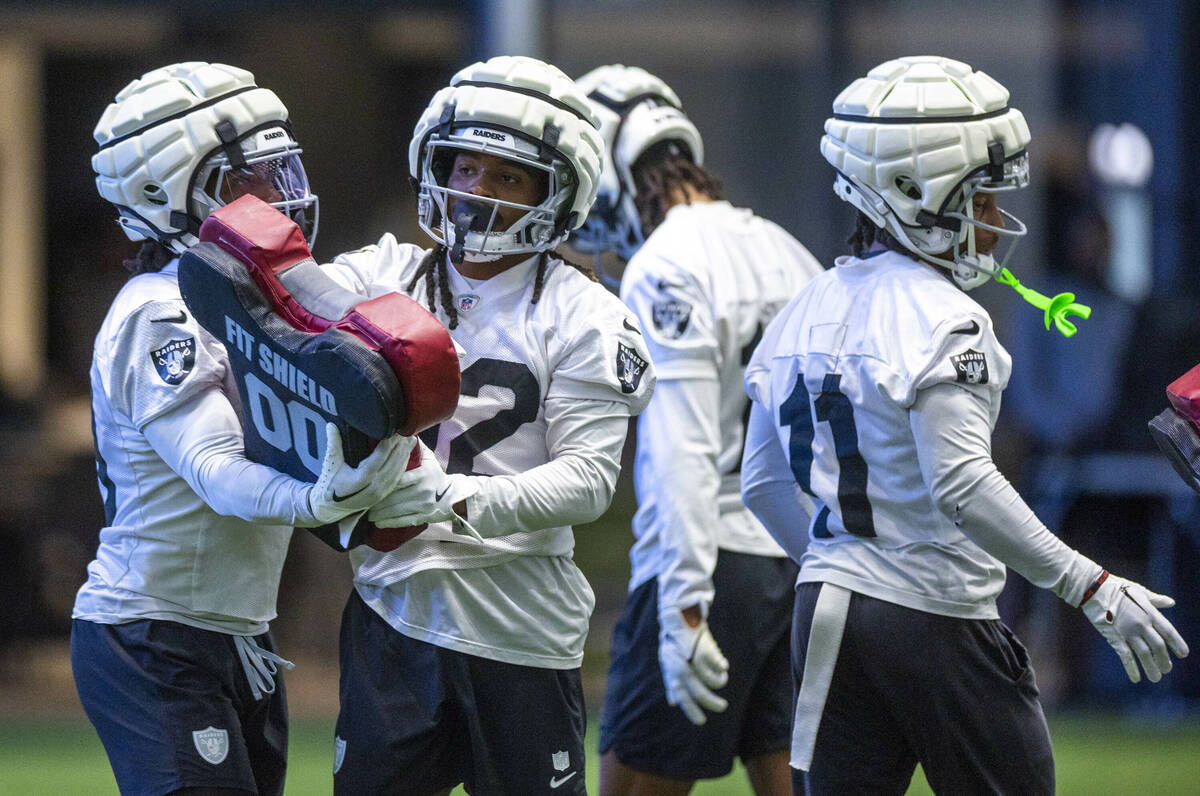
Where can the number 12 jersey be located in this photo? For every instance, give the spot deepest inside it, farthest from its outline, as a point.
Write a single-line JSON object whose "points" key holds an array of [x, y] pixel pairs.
{"points": [[546, 395]]}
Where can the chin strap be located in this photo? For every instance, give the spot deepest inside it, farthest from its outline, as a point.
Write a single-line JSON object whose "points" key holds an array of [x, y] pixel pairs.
{"points": [[1056, 309]]}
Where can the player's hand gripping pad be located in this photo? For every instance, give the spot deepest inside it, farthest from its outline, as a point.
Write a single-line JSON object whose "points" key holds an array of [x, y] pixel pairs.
{"points": [[305, 351], [1175, 430]]}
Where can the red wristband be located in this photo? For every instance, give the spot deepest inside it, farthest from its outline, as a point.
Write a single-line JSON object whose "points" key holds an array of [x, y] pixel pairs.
{"points": [[1091, 590]]}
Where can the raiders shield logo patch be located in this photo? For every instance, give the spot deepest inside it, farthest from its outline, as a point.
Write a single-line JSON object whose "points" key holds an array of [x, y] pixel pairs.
{"points": [[630, 368], [671, 317], [970, 367], [212, 744], [174, 361]]}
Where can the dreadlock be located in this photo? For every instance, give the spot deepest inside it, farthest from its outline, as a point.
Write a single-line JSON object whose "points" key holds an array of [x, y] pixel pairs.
{"points": [[150, 258], [663, 170], [866, 234], [540, 280], [437, 283]]}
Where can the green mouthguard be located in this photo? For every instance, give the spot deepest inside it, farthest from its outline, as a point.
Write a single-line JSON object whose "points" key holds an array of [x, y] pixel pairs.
{"points": [[1057, 309]]}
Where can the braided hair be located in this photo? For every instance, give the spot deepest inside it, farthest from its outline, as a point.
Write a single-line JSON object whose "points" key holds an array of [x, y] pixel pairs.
{"points": [[866, 234], [437, 281], [663, 171], [151, 258]]}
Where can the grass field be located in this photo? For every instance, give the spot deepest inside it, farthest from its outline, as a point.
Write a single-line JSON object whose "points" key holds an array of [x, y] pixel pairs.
{"points": [[1094, 755]]}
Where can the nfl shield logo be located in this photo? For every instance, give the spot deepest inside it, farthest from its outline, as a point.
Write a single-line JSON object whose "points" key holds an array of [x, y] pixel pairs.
{"points": [[630, 368], [174, 361], [212, 744], [339, 753], [561, 760], [467, 302]]}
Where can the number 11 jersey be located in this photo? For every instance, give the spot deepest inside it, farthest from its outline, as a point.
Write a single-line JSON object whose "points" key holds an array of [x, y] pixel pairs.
{"points": [[838, 370]]}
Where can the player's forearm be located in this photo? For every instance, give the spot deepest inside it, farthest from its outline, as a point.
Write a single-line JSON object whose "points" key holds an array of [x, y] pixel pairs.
{"points": [[678, 440], [233, 485], [585, 439], [953, 436], [202, 442], [570, 490]]}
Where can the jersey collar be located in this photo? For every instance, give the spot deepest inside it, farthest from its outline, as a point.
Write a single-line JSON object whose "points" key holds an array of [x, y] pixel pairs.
{"points": [[516, 278]]}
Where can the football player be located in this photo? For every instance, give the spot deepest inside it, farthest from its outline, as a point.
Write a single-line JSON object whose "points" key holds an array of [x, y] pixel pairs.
{"points": [[460, 658], [700, 660], [170, 646], [876, 390]]}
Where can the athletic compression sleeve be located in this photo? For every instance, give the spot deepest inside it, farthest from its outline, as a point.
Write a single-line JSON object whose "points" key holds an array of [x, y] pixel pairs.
{"points": [[953, 440], [679, 434], [584, 438], [201, 440]]}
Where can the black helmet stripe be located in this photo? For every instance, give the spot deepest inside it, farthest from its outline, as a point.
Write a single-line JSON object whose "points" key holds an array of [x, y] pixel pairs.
{"points": [[175, 116], [529, 93], [623, 106], [855, 117]]}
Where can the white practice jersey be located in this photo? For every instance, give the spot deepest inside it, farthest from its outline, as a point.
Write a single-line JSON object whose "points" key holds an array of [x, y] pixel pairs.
{"points": [[164, 553], [838, 371], [705, 285], [547, 392]]}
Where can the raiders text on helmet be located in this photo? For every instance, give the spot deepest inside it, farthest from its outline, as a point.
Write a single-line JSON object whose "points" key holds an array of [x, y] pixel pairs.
{"points": [[637, 110], [517, 108], [913, 141], [182, 140]]}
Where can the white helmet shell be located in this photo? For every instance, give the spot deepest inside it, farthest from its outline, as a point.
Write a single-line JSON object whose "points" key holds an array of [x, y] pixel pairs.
{"points": [[637, 110], [171, 138], [524, 110], [914, 140]]}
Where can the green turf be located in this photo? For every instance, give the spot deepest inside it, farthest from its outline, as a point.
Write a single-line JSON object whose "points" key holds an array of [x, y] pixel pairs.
{"points": [[1095, 755]]}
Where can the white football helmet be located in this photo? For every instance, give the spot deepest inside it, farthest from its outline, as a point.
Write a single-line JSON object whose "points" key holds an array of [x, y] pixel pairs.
{"points": [[913, 141], [185, 139], [517, 108], [637, 110]]}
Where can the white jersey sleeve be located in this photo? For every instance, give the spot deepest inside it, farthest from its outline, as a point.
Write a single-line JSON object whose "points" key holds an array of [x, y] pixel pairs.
{"points": [[161, 357], [599, 352], [384, 267], [676, 316], [962, 350]]}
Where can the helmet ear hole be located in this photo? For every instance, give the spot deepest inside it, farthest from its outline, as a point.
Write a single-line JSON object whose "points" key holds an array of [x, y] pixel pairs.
{"points": [[908, 186], [154, 194]]}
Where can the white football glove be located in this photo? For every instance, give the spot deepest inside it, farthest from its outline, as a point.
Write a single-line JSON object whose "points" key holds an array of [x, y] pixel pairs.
{"points": [[425, 494], [692, 665], [1127, 615], [341, 490]]}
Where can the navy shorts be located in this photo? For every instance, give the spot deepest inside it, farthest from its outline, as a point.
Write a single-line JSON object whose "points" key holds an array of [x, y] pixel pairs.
{"points": [[417, 718], [174, 710], [956, 695], [750, 618]]}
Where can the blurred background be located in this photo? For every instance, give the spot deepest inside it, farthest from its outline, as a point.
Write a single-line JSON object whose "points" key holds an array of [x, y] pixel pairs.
{"points": [[1103, 84]]}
